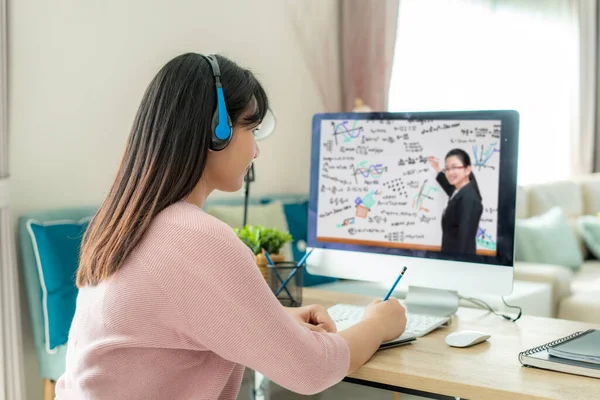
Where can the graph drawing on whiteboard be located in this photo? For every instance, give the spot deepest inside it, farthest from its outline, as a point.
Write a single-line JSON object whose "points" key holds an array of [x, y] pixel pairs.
{"points": [[379, 187]]}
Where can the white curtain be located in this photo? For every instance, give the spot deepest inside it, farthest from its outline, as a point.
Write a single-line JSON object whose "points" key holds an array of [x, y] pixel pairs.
{"points": [[316, 25], [585, 124], [11, 349], [348, 46], [495, 54], [367, 41]]}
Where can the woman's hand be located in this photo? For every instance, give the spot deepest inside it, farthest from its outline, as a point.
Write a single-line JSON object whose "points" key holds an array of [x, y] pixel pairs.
{"points": [[435, 163], [389, 315], [314, 317]]}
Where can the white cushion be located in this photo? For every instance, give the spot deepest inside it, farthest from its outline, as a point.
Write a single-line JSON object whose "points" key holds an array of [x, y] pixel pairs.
{"points": [[522, 210], [590, 190], [557, 276], [564, 194], [568, 195], [581, 306], [584, 302], [587, 279]]}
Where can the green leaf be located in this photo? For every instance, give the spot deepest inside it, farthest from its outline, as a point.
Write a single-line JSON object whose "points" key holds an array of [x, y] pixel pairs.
{"points": [[259, 237]]}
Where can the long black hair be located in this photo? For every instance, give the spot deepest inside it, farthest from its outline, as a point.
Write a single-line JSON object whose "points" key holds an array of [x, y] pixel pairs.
{"points": [[165, 155], [463, 156]]}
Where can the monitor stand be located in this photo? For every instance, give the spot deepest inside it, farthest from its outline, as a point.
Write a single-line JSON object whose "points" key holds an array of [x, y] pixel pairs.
{"points": [[429, 301]]}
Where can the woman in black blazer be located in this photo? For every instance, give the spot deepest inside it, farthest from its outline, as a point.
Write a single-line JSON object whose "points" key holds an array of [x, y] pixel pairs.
{"points": [[460, 219]]}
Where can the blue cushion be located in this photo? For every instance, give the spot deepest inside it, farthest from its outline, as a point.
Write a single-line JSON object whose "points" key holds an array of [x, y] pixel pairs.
{"points": [[56, 246], [547, 239], [296, 215]]}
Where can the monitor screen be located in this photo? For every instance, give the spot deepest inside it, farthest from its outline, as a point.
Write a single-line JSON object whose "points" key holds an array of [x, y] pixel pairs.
{"points": [[435, 185]]}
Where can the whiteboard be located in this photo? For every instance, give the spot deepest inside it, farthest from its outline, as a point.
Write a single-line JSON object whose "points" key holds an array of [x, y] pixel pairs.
{"points": [[377, 187]]}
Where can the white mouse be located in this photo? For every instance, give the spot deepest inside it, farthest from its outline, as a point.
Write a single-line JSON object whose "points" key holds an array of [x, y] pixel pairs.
{"points": [[466, 338]]}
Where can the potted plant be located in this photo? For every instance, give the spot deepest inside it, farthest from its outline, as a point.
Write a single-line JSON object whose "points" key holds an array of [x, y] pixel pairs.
{"points": [[258, 237]]}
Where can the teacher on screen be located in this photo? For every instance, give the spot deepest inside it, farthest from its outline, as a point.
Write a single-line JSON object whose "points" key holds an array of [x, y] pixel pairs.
{"points": [[460, 219]]}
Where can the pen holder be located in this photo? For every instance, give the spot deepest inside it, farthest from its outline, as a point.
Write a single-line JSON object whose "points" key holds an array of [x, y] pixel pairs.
{"points": [[285, 280], [263, 265]]}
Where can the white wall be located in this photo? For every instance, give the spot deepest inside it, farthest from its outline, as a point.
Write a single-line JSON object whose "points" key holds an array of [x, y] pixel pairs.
{"points": [[77, 73]]}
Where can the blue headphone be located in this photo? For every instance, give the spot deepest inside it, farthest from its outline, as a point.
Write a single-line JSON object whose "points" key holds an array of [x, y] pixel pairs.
{"points": [[221, 123]]}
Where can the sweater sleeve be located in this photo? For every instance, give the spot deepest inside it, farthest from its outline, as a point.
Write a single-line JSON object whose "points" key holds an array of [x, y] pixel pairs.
{"points": [[227, 307]]}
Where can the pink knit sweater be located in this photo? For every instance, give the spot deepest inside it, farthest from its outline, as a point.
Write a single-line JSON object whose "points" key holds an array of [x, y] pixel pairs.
{"points": [[184, 316]]}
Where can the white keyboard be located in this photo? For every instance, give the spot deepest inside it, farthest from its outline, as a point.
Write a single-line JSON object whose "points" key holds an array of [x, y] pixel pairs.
{"points": [[417, 325]]}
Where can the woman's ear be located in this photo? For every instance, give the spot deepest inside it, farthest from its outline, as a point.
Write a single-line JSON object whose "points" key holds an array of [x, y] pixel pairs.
{"points": [[468, 170]]}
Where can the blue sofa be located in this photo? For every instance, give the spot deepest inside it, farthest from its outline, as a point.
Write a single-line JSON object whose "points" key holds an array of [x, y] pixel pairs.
{"points": [[49, 271]]}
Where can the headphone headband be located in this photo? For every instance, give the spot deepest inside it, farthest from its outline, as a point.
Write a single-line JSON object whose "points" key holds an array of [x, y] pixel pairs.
{"points": [[212, 60]]}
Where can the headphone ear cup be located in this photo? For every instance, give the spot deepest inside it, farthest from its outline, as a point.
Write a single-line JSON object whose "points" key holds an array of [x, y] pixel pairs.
{"points": [[216, 143], [222, 128]]}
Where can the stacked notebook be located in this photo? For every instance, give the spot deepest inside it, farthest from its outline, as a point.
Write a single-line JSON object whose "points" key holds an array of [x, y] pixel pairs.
{"points": [[577, 354]]}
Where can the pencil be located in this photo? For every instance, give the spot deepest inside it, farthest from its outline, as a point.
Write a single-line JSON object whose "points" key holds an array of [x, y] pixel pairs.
{"points": [[387, 296]]}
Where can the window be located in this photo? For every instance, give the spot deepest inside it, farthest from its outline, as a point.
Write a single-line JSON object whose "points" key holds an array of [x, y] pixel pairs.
{"points": [[473, 55]]}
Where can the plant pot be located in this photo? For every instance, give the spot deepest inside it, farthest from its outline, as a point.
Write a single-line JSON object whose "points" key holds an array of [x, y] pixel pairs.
{"points": [[261, 262]]}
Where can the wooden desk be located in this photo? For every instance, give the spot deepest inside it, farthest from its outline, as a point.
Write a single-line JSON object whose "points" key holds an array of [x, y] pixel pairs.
{"points": [[490, 370]]}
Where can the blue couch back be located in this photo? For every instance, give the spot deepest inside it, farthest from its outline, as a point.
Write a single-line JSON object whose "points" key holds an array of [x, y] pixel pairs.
{"points": [[51, 363]]}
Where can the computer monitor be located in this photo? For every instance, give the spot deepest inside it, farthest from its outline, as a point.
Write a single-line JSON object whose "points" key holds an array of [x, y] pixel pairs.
{"points": [[377, 202]]}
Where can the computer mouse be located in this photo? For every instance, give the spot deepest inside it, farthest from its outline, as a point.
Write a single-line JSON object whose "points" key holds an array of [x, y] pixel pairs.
{"points": [[466, 338]]}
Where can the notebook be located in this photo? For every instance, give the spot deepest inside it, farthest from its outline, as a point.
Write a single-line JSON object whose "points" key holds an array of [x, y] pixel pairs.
{"points": [[578, 346], [586, 348], [397, 342]]}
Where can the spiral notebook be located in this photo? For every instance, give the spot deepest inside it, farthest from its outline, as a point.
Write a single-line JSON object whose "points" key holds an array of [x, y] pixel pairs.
{"points": [[541, 357]]}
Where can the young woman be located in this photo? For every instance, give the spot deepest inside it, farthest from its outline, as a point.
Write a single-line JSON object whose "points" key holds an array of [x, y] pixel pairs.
{"points": [[460, 219], [171, 304]]}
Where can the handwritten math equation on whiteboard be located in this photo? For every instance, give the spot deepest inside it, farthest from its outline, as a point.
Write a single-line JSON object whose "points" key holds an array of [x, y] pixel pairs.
{"points": [[377, 186]]}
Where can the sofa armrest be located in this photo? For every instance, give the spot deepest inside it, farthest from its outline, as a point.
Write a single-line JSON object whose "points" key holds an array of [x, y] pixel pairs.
{"points": [[557, 276]]}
